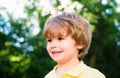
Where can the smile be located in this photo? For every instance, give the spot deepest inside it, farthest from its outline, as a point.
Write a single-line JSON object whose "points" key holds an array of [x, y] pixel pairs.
{"points": [[56, 52]]}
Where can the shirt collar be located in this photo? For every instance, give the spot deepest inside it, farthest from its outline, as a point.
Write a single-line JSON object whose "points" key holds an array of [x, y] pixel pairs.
{"points": [[77, 70]]}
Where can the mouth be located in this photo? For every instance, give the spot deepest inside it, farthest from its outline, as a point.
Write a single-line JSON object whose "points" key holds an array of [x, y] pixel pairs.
{"points": [[56, 52]]}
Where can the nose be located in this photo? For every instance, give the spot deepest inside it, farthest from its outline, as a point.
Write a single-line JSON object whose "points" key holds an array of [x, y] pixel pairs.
{"points": [[53, 44]]}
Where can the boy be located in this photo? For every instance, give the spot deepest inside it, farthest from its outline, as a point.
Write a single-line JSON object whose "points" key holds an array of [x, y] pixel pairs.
{"points": [[68, 39]]}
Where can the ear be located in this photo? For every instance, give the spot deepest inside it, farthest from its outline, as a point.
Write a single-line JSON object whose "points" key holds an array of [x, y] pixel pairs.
{"points": [[79, 47]]}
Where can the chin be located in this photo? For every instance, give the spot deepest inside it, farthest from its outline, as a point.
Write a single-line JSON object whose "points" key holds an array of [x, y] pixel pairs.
{"points": [[58, 61]]}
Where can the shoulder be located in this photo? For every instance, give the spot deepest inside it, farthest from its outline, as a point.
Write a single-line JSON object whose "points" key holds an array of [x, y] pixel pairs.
{"points": [[90, 72], [51, 74]]}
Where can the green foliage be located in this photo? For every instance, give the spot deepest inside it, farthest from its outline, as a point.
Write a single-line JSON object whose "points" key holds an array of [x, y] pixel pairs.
{"points": [[23, 55], [104, 51]]}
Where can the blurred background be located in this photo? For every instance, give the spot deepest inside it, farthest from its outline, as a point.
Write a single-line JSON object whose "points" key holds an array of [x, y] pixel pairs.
{"points": [[22, 45]]}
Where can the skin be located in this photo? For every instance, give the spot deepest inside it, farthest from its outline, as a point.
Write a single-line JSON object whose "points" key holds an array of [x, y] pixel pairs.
{"points": [[64, 51]]}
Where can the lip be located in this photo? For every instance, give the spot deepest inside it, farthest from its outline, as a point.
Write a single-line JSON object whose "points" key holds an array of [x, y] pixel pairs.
{"points": [[56, 52]]}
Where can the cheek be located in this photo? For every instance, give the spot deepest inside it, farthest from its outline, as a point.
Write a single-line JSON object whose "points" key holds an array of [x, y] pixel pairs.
{"points": [[71, 48], [47, 47]]}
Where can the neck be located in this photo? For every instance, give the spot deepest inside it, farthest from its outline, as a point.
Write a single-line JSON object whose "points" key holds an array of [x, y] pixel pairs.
{"points": [[65, 67]]}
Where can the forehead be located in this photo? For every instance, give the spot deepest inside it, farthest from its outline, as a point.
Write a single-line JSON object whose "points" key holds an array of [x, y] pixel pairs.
{"points": [[55, 29]]}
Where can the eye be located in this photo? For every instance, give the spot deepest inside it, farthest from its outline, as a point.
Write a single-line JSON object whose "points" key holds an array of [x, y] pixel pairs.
{"points": [[49, 40], [60, 38]]}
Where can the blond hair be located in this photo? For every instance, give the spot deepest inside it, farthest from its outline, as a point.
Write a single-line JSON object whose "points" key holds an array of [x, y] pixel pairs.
{"points": [[74, 25]]}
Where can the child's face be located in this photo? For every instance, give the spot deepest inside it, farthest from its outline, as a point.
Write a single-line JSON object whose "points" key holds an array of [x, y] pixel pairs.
{"points": [[62, 49]]}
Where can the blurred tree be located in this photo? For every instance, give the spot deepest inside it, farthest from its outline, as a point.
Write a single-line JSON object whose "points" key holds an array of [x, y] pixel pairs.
{"points": [[22, 48]]}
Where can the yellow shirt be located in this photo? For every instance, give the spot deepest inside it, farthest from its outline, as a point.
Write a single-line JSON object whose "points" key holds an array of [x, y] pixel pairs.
{"points": [[80, 71]]}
